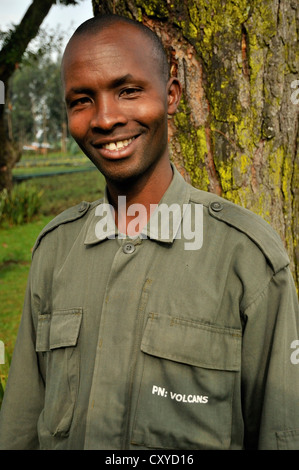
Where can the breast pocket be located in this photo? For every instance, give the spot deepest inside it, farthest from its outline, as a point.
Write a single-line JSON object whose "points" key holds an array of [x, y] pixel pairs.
{"points": [[57, 339], [187, 386]]}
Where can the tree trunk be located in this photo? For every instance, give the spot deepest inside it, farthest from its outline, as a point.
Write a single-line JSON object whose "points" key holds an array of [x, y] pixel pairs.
{"points": [[236, 132]]}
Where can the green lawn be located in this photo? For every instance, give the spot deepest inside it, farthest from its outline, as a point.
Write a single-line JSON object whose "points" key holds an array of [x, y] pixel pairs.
{"points": [[15, 254], [16, 242], [63, 191]]}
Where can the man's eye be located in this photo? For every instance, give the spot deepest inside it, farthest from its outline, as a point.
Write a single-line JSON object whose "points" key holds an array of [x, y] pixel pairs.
{"points": [[130, 92], [80, 101]]}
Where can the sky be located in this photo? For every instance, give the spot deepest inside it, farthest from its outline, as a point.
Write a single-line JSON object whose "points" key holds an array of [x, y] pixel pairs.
{"points": [[68, 17]]}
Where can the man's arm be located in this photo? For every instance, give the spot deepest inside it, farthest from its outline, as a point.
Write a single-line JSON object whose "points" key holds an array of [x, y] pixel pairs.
{"points": [[270, 367]]}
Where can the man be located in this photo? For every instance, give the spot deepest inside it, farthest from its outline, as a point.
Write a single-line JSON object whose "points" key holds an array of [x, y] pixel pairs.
{"points": [[180, 333]]}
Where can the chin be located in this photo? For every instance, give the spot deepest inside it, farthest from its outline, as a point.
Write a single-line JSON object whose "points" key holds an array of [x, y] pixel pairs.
{"points": [[123, 179], [121, 172]]}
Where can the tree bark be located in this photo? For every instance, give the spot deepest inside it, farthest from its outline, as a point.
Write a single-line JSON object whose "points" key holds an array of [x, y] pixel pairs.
{"points": [[236, 131]]}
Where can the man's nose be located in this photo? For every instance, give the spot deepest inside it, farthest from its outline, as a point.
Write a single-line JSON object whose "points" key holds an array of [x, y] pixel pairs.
{"points": [[107, 114]]}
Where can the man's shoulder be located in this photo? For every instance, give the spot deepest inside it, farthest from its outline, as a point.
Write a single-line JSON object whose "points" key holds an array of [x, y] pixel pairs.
{"points": [[72, 214], [247, 222]]}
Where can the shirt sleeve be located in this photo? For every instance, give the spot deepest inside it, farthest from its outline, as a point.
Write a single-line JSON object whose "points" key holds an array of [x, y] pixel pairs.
{"points": [[270, 367], [24, 393]]}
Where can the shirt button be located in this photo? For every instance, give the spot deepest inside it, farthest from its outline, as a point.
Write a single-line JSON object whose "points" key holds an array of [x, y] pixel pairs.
{"points": [[216, 206], [128, 248], [82, 206]]}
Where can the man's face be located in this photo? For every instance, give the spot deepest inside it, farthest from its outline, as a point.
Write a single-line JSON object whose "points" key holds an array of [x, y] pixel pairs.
{"points": [[117, 101]]}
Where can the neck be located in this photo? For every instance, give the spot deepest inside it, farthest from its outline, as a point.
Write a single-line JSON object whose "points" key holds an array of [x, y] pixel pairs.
{"points": [[146, 191]]}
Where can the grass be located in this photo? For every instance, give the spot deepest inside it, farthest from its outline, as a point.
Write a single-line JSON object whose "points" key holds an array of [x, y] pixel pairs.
{"points": [[15, 255], [63, 191], [50, 164], [16, 243]]}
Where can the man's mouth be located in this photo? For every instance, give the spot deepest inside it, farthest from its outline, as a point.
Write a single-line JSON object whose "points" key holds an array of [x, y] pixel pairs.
{"points": [[118, 145]]}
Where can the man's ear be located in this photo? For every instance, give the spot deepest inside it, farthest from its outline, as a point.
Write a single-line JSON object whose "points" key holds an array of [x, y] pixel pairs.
{"points": [[174, 90]]}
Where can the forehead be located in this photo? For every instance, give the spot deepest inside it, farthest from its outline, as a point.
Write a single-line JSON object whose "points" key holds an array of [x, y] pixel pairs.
{"points": [[115, 48]]}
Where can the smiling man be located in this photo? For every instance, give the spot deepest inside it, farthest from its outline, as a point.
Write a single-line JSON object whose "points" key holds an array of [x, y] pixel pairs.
{"points": [[128, 339], [118, 95]]}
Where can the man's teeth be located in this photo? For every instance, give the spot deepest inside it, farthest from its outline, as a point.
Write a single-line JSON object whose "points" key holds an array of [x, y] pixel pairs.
{"points": [[117, 145]]}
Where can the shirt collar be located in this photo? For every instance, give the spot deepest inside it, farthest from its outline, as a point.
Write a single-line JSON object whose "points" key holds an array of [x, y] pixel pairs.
{"points": [[162, 226]]}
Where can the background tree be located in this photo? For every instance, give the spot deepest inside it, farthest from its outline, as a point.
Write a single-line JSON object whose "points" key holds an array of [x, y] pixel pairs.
{"points": [[37, 110], [236, 132], [13, 48]]}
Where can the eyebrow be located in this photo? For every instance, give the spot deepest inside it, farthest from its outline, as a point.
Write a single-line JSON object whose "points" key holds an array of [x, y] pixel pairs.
{"points": [[121, 80], [117, 82]]}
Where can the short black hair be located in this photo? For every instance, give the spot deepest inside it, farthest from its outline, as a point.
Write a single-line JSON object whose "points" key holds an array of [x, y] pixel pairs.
{"points": [[101, 22]]}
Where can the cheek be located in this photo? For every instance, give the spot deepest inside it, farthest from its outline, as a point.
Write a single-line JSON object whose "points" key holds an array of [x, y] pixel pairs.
{"points": [[78, 126], [160, 123], [150, 109], [153, 116]]}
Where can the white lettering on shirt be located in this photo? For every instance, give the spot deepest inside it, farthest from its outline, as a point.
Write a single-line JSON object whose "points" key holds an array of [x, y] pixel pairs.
{"points": [[179, 397]]}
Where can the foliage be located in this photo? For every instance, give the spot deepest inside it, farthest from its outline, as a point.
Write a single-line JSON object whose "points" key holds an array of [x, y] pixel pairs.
{"points": [[13, 50], [36, 99], [20, 205], [45, 41]]}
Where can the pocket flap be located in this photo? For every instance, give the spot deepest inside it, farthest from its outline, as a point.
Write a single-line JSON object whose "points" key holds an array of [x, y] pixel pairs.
{"points": [[65, 326], [192, 342]]}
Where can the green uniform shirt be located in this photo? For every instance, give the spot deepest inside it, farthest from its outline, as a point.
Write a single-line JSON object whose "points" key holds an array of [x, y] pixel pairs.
{"points": [[146, 343]]}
